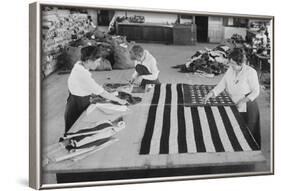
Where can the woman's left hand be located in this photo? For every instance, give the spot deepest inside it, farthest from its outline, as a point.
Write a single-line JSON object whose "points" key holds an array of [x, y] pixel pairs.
{"points": [[239, 104], [242, 101]]}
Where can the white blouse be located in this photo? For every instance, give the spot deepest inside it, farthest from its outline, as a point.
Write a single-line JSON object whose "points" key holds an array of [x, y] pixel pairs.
{"points": [[246, 82], [81, 83]]}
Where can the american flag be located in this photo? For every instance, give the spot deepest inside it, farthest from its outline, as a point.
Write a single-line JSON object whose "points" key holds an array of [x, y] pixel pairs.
{"points": [[174, 127]]}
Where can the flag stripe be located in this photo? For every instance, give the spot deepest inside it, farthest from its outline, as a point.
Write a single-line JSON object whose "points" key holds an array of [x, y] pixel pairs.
{"points": [[164, 141], [229, 129], [158, 126], [182, 146], [221, 129], [197, 130], [245, 146], [244, 129], [190, 139], [214, 130], [146, 140], [186, 94], [206, 130], [173, 139]]}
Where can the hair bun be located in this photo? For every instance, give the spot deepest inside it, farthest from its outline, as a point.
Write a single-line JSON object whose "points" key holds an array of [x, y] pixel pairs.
{"points": [[87, 52], [237, 54]]}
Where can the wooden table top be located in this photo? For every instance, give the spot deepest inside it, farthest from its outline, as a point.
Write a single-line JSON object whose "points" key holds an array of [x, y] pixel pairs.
{"points": [[124, 154]]}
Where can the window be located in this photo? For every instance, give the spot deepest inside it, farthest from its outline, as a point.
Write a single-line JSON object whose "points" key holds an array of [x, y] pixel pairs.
{"points": [[104, 17], [185, 19], [235, 22]]}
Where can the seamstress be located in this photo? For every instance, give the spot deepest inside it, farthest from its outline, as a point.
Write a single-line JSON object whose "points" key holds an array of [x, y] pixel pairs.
{"points": [[82, 86], [146, 70], [242, 84]]}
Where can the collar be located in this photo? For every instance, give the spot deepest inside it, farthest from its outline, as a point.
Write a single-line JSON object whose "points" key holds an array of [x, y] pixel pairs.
{"points": [[143, 57], [80, 64], [241, 71]]}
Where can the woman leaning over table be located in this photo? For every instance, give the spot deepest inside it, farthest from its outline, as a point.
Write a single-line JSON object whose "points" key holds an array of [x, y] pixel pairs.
{"points": [[242, 84], [82, 86]]}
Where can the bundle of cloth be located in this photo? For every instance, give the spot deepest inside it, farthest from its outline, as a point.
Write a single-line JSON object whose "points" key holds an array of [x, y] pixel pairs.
{"points": [[208, 61], [132, 100], [113, 52], [124, 87], [237, 38]]}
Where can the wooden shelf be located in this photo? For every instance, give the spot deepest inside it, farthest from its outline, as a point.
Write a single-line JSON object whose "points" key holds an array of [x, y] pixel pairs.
{"points": [[146, 32], [159, 33]]}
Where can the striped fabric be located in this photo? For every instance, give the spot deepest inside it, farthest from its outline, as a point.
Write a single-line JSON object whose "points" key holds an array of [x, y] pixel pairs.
{"points": [[172, 127]]}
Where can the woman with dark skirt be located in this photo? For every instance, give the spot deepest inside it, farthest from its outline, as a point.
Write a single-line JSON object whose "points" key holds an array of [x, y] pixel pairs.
{"points": [[82, 86], [242, 84]]}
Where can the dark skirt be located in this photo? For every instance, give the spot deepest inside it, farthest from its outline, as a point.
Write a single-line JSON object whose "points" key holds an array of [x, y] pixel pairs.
{"points": [[144, 82], [74, 108], [252, 119], [142, 71]]}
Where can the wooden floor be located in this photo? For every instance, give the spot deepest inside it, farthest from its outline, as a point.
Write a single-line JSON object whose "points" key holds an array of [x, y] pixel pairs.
{"points": [[55, 92]]}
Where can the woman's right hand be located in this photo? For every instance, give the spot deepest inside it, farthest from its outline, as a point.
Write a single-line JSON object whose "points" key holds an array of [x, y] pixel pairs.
{"points": [[112, 97], [208, 96], [122, 102], [132, 81]]}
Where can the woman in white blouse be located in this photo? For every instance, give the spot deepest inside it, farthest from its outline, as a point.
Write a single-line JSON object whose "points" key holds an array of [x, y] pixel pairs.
{"points": [[82, 86], [242, 84]]}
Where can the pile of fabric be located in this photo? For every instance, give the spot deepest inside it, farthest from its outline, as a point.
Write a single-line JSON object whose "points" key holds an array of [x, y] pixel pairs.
{"points": [[113, 52], [120, 94], [209, 62], [59, 28], [65, 32]]}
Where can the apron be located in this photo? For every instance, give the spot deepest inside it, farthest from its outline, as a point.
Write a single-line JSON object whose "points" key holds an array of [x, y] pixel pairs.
{"points": [[252, 119], [74, 108]]}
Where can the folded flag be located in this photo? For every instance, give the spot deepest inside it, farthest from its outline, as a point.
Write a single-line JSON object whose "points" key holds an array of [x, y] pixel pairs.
{"points": [[85, 141], [88, 131], [79, 139]]}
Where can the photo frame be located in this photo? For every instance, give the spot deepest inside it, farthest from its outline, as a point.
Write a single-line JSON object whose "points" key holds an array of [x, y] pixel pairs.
{"points": [[166, 131]]}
